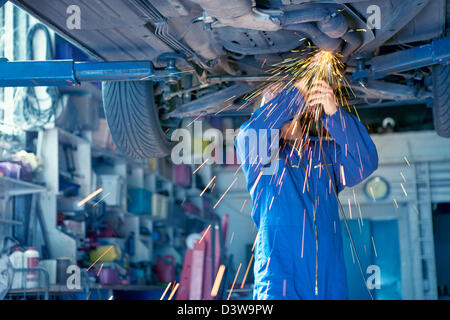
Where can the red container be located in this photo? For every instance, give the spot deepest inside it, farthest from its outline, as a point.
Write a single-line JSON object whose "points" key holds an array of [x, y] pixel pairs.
{"points": [[165, 268], [182, 175], [191, 209]]}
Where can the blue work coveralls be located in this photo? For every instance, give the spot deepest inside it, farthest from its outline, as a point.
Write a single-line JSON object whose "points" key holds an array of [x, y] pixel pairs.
{"points": [[298, 248]]}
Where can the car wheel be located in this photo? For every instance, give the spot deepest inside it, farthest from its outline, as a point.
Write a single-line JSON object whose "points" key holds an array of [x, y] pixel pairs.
{"points": [[441, 107], [133, 119]]}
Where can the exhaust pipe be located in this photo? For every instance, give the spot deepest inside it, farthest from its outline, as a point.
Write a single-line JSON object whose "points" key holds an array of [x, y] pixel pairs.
{"points": [[325, 27]]}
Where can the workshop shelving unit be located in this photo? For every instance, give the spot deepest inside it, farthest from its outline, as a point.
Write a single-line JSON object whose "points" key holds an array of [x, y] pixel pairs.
{"points": [[87, 159]]}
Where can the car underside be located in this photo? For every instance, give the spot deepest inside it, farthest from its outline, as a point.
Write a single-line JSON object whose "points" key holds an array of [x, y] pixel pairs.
{"points": [[219, 51]]}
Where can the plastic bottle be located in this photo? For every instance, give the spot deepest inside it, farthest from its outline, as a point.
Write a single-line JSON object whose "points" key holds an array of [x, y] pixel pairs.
{"points": [[17, 260], [31, 257]]}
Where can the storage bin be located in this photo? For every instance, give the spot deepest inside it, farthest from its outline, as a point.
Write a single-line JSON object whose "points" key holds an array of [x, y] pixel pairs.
{"points": [[165, 168], [191, 209], [112, 185], [67, 187], [160, 206], [182, 175], [105, 253], [10, 170], [139, 201], [109, 276]]}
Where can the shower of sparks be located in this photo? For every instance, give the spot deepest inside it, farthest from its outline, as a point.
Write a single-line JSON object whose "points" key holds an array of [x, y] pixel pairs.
{"points": [[226, 191], [165, 291], [89, 197], [207, 186], [111, 298], [173, 291], [234, 281], [217, 281], [200, 166], [312, 65], [204, 233], [246, 271]]}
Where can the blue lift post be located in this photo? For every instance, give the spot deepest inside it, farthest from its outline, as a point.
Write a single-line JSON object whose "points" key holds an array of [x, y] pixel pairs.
{"points": [[437, 52], [72, 73]]}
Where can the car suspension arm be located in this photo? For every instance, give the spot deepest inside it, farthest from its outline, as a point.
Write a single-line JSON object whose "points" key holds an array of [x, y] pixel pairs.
{"points": [[437, 52]]}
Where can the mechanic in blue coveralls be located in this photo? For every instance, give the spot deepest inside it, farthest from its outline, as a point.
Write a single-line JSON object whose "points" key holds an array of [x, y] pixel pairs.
{"points": [[298, 248]]}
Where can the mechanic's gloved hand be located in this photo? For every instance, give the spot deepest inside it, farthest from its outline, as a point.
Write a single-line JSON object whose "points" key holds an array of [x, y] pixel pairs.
{"points": [[322, 93]]}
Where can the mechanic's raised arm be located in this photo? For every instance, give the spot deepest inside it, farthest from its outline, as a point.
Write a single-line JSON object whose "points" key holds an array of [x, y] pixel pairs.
{"points": [[256, 140], [355, 157]]}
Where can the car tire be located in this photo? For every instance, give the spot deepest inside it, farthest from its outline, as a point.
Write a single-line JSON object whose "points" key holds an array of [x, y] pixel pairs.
{"points": [[441, 95], [133, 119]]}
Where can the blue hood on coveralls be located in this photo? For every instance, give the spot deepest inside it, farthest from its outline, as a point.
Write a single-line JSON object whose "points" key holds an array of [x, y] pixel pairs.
{"points": [[298, 252]]}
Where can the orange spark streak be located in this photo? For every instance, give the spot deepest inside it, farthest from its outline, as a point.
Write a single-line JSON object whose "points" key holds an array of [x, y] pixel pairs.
{"points": [[350, 208], [253, 248], [404, 191], [245, 201], [373, 195], [303, 233], [200, 166], [406, 159], [98, 273], [201, 194], [89, 197], [173, 291], [375, 249], [204, 234], [234, 281], [271, 202], [99, 257], [218, 280], [226, 191], [268, 262], [343, 175], [256, 182], [232, 237], [165, 291], [193, 120], [246, 271]]}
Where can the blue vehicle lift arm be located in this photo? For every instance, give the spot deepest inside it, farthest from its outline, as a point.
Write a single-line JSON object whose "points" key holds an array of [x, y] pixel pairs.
{"points": [[72, 73], [437, 52]]}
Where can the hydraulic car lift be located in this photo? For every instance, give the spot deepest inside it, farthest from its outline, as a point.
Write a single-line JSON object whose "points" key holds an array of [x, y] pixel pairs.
{"points": [[72, 73]]}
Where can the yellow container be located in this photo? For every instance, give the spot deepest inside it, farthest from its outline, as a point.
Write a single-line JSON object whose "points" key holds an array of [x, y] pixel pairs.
{"points": [[105, 254]]}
